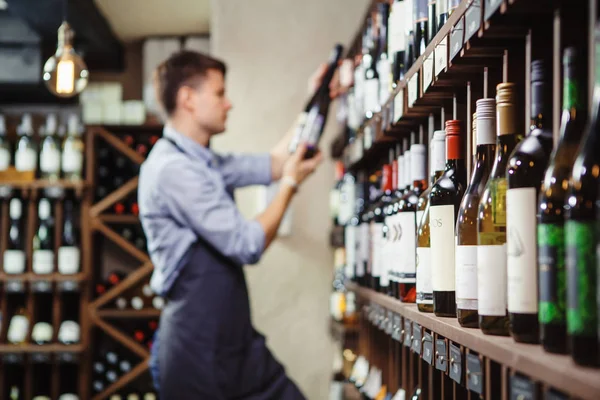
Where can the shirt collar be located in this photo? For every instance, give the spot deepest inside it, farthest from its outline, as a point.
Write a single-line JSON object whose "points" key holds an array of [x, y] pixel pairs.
{"points": [[190, 146]]}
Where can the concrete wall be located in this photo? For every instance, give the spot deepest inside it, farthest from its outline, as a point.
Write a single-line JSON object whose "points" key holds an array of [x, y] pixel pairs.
{"points": [[272, 47]]}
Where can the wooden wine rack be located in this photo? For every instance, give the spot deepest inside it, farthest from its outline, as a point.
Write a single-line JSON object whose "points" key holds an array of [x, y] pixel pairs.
{"points": [[502, 36], [98, 223]]}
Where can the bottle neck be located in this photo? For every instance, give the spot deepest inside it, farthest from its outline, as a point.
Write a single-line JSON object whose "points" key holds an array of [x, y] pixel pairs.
{"points": [[571, 105], [540, 107]]}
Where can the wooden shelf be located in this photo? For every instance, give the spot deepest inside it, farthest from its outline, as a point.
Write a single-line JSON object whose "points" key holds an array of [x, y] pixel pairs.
{"points": [[129, 314], [559, 371], [32, 277], [46, 348], [119, 219], [45, 184]]}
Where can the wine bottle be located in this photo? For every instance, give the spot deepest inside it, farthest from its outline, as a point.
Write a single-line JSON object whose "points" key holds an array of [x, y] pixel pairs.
{"points": [[407, 223], [409, 26], [391, 217], [491, 220], [384, 67], [43, 241], [445, 198], [524, 174], [69, 331], [68, 396], [42, 332], [335, 193], [551, 219], [5, 158], [397, 44], [18, 328], [26, 153], [50, 151], [377, 228], [368, 216], [371, 80], [310, 128], [351, 235], [14, 255], [432, 18], [423, 266], [72, 151], [484, 145], [389, 232], [581, 237], [68, 253], [442, 9], [421, 18]]}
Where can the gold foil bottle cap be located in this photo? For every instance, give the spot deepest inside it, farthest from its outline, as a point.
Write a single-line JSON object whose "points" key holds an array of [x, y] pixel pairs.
{"points": [[506, 99]]}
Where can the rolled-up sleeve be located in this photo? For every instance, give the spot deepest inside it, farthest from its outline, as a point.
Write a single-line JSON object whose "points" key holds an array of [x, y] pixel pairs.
{"points": [[239, 170], [199, 201]]}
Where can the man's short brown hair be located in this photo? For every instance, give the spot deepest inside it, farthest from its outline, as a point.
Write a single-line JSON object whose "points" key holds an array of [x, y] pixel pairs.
{"points": [[182, 68]]}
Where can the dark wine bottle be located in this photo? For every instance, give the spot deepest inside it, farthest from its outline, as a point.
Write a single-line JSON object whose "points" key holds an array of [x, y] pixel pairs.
{"points": [[14, 255], [445, 199], [421, 18], [491, 220], [69, 331], [384, 67], [310, 128], [377, 228], [432, 18], [442, 10], [524, 175], [43, 331], [551, 220], [581, 237], [69, 255], [385, 206], [43, 241], [398, 38], [484, 144]]}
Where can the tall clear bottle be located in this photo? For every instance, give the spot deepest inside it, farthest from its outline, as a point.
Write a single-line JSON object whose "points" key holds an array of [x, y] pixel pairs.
{"points": [[423, 267], [26, 152], [551, 218], [484, 145], [491, 220], [50, 150], [72, 151]]}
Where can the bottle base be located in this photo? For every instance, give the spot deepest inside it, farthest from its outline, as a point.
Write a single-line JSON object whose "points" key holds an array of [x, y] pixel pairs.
{"points": [[494, 325], [467, 318], [584, 350], [524, 328], [554, 338], [426, 308]]}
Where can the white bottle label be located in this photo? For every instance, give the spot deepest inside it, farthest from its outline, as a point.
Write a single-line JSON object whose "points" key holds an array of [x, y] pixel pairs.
{"points": [[376, 243], [466, 277], [14, 261], [68, 332], [68, 260], [72, 161], [491, 280], [406, 244], [441, 223], [26, 160], [371, 95], [4, 159], [363, 250], [350, 244], [50, 160], [424, 284], [43, 261], [384, 69], [521, 251], [18, 329]]}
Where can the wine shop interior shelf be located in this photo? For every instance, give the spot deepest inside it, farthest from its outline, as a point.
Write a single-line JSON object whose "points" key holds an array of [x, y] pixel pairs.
{"points": [[559, 371]]}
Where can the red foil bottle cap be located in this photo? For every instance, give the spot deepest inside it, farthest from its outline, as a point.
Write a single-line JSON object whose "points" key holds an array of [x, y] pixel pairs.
{"points": [[453, 145], [386, 178]]}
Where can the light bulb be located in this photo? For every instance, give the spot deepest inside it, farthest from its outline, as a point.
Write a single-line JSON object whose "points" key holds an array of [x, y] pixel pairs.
{"points": [[65, 73]]}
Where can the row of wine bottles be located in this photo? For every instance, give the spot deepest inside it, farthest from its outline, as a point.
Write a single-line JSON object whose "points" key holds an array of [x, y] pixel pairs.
{"points": [[108, 367], [14, 382], [68, 257], [511, 252], [138, 298], [51, 155], [36, 325]]}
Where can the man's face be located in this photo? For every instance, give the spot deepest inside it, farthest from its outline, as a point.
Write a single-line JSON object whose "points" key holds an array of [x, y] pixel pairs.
{"points": [[208, 104]]}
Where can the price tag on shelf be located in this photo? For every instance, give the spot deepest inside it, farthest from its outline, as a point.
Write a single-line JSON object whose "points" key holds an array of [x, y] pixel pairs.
{"points": [[40, 358], [522, 388], [407, 333], [441, 355], [413, 89], [41, 286], [455, 363], [397, 327], [398, 106], [427, 72], [389, 326], [15, 286], [457, 38], [473, 19], [416, 339], [383, 320], [68, 286], [550, 394], [13, 358], [67, 357], [441, 56], [490, 7], [428, 348], [474, 374]]}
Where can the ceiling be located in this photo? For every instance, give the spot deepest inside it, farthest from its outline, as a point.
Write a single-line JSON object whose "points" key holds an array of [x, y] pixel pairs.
{"points": [[155, 17]]}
